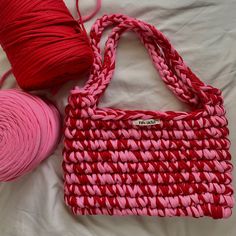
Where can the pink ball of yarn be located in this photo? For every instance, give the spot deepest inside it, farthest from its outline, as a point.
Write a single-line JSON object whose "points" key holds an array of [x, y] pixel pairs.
{"points": [[29, 132]]}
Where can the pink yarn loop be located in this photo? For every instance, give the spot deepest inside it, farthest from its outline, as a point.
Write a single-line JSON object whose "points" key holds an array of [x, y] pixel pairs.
{"points": [[29, 132], [92, 14]]}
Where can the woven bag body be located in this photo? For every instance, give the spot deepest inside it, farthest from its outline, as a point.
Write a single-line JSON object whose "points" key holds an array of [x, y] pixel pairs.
{"points": [[133, 162]]}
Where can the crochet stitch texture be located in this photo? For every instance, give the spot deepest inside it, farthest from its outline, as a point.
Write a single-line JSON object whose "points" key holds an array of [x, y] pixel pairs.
{"points": [[177, 166]]}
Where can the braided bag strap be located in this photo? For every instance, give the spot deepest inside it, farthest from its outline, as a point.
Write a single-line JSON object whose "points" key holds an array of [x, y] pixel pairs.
{"points": [[170, 65]]}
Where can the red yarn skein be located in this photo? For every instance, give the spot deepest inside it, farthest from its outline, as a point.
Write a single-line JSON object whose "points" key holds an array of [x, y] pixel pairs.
{"points": [[43, 42]]}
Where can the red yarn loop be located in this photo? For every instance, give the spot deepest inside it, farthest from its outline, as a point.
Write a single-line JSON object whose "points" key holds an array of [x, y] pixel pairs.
{"points": [[4, 77], [43, 43]]}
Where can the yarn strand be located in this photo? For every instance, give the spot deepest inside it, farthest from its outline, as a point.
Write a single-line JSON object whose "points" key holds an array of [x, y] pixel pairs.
{"points": [[92, 14]]}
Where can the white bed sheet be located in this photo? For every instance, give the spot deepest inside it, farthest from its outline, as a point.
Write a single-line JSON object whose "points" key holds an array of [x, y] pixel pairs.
{"points": [[204, 33]]}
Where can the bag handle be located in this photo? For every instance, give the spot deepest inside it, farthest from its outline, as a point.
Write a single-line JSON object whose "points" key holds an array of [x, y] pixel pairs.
{"points": [[172, 69]]}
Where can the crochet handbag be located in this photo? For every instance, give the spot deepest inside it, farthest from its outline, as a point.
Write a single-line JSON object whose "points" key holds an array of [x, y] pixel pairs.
{"points": [[134, 162]]}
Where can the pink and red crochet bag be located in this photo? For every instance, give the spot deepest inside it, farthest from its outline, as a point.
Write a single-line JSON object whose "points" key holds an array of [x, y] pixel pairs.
{"points": [[123, 162]]}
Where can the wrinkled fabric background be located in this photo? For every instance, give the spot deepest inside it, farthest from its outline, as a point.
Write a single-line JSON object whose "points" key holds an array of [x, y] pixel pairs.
{"points": [[204, 33]]}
